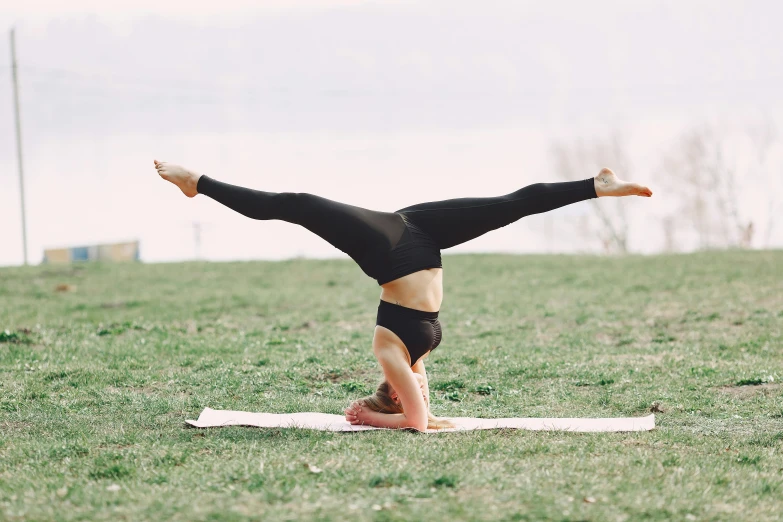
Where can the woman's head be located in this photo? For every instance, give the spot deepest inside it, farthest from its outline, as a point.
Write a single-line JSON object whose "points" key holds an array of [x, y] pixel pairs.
{"points": [[386, 400]]}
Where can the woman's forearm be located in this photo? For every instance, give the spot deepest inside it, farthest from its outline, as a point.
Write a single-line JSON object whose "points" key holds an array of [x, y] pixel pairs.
{"points": [[419, 369], [387, 420]]}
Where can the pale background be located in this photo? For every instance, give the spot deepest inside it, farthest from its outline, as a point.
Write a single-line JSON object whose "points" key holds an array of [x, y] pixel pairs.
{"points": [[381, 104]]}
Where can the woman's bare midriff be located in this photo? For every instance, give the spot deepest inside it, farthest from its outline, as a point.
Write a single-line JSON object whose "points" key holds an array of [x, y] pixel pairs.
{"points": [[422, 290]]}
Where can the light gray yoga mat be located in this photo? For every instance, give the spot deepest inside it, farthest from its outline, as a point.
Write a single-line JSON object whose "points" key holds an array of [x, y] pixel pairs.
{"points": [[210, 418]]}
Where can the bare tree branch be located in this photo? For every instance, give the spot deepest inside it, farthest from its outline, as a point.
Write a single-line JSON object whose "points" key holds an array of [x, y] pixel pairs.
{"points": [[574, 161]]}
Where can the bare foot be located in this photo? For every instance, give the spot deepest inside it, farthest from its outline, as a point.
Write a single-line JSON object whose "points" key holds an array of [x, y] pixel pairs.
{"points": [[607, 184], [186, 180]]}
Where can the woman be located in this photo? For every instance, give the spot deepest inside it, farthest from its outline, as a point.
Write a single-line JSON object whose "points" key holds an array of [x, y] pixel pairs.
{"points": [[401, 250]]}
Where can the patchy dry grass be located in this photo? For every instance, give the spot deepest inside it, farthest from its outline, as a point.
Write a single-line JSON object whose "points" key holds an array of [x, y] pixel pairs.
{"points": [[96, 381]]}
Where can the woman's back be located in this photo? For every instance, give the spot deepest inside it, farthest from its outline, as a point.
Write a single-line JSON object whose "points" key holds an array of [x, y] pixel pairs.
{"points": [[422, 290]]}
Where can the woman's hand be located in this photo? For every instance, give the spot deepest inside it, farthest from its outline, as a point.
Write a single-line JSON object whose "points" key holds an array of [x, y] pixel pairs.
{"points": [[356, 413]]}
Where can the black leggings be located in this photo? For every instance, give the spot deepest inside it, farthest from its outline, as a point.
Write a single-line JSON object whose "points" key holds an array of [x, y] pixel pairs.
{"points": [[356, 230], [387, 245]]}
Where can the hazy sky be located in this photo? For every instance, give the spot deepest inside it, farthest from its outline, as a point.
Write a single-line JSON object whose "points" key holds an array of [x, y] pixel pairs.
{"points": [[381, 104]]}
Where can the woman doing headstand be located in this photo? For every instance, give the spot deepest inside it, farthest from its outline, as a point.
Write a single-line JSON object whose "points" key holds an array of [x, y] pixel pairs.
{"points": [[401, 250]]}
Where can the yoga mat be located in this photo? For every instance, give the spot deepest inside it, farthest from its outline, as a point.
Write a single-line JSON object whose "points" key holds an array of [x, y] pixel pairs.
{"points": [[210, 418]]}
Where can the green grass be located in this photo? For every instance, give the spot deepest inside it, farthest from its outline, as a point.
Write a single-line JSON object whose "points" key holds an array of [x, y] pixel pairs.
{"points": [[95, 385]]}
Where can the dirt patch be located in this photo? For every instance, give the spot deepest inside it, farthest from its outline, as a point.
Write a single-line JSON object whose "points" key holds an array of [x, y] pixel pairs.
{"points": [[191, 327], [13, 427], [144, 390], [605, 339], [336, 376], [651, 358], [746, 392], [306, 325]]}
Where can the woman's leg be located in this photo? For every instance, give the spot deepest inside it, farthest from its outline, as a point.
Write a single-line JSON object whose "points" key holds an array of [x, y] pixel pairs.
{"points": [[356, 231], [456, 221]]}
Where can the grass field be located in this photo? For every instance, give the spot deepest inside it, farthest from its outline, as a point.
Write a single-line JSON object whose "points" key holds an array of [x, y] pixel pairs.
{"points": [[96, 382]]}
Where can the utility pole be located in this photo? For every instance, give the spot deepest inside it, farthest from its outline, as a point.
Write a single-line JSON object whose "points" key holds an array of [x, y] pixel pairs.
{"points": [[19, 142]]}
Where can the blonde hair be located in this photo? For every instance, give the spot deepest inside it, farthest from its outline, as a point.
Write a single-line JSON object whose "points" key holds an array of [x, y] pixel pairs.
{"points": [[382, 402]]}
